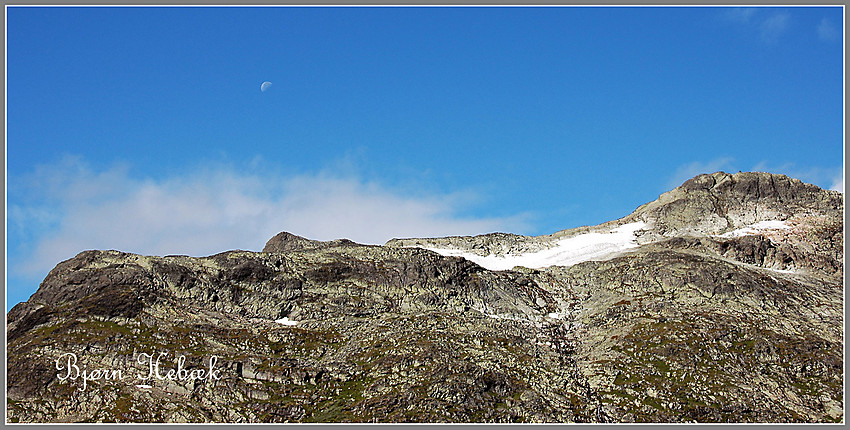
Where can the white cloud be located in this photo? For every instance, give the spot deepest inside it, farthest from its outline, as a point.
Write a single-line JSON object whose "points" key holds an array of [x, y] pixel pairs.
{"points": [[826, 31], [217, 209], [838, 184], [772, 27], [688, 171]]}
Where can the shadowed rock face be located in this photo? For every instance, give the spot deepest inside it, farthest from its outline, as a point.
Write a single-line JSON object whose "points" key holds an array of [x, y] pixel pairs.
{"points": [[699, 323]]}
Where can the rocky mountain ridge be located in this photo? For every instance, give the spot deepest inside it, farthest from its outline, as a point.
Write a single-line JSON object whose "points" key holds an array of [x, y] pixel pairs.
{"points": [[723, 302], [709, 212], [706, 205]]}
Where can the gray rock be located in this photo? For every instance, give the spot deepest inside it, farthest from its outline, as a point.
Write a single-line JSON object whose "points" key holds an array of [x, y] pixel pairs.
{"points": [[689, 326]]}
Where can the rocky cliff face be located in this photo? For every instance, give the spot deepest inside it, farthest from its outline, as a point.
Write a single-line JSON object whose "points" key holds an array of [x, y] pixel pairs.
{"points": [[721, 301]]}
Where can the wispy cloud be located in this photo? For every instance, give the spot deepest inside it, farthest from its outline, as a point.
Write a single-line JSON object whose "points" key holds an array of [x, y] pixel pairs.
{"points": [[824, 177], [71, 208], [688, 171], [740, 14], [768, 23], [838, 184], [826, 31], [773, 27]]}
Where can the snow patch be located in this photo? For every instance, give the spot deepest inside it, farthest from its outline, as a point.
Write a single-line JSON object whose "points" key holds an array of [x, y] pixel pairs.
{"points": [[146, 386], [765, 225], [566, 252], [286, 321], [757, 228]]}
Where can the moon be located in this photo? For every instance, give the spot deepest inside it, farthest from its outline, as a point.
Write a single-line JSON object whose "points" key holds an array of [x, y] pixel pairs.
{"points": [[265, 86]]}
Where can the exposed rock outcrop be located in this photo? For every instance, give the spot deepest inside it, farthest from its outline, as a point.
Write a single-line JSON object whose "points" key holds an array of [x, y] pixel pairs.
{"points": [[726, 305], [720, 202]]}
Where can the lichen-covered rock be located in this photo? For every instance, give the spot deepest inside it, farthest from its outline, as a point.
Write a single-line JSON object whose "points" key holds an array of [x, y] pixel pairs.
{"points": [[695, 324], [719, 202]]}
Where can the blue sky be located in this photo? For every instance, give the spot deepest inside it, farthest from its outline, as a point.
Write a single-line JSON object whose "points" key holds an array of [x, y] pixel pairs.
{"points": [[145, 129]]}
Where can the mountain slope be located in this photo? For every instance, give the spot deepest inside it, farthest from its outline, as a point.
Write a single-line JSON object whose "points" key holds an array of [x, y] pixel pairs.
{"points": [[793, 223], [721, 301]]}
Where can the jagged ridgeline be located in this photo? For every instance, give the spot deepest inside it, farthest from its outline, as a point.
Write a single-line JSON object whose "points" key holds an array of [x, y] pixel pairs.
{"points": [[722, 301]]}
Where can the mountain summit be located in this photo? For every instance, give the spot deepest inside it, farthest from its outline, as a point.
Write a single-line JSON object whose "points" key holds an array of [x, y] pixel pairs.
{"points": [[721, 301], [801, 218]]}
